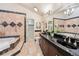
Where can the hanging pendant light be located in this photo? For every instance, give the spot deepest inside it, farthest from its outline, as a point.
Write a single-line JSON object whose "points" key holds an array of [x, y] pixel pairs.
{"points": [[69, 11]]}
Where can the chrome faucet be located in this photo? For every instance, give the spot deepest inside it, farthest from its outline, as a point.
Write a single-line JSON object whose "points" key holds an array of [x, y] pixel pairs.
{"points": [[69, 40], [75, 43]]}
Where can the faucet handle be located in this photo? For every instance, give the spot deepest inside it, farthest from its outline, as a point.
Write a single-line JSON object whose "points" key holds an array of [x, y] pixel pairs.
{"points": [[64, 39], [75, 43], [69, 40]]}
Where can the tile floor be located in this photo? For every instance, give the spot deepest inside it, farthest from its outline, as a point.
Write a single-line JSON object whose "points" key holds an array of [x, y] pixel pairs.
{"points": [[31, 48]]}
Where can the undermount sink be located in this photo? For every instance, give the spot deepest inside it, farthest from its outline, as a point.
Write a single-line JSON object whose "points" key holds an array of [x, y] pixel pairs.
{"points": [[67, 41], [66, 44]]}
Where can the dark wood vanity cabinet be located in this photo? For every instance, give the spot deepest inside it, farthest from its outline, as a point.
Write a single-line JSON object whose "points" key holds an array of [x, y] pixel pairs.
{"points": [[48, 49], [52, 50], [45, 47]]}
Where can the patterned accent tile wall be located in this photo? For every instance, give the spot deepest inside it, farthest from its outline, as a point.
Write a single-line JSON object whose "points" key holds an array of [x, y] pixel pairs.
{"points": [[12, 24], [5, 24], [71, 25]]}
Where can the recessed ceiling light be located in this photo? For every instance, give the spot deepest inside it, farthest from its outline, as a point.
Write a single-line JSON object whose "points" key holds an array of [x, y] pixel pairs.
{"points": [[35, 9]]}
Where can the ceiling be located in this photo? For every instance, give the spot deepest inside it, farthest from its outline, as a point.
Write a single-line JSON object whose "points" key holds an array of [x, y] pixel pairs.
{"points": [[48, 8]]}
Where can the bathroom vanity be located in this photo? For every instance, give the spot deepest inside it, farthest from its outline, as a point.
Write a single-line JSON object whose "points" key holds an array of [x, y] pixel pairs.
{"points": [[54, 46], [65, 40]]}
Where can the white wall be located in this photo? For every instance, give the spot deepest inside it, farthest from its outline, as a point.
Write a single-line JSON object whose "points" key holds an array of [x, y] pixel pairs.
{"points": [[48, 18]]}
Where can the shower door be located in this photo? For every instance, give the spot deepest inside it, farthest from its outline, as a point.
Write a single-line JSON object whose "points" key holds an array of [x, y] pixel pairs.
{"points": [[30, 29]]}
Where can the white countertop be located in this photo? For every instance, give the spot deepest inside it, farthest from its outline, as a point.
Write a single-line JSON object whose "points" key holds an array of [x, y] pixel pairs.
{"points": [[5, 42]]}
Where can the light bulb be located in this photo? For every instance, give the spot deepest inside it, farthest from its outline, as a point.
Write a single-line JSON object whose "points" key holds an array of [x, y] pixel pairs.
{"points": [[68, 10], [65, 12], [72, 9]]}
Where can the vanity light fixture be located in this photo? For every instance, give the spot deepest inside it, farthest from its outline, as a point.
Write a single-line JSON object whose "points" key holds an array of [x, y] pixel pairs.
{"points": [[35, 9]]}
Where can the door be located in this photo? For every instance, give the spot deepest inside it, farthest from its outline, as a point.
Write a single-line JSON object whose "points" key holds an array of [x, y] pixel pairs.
{"points": [[30, 29]]}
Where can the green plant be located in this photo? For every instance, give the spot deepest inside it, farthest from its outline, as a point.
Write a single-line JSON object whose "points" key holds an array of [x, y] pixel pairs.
{"points": [[56, 30], [52, 31]]}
